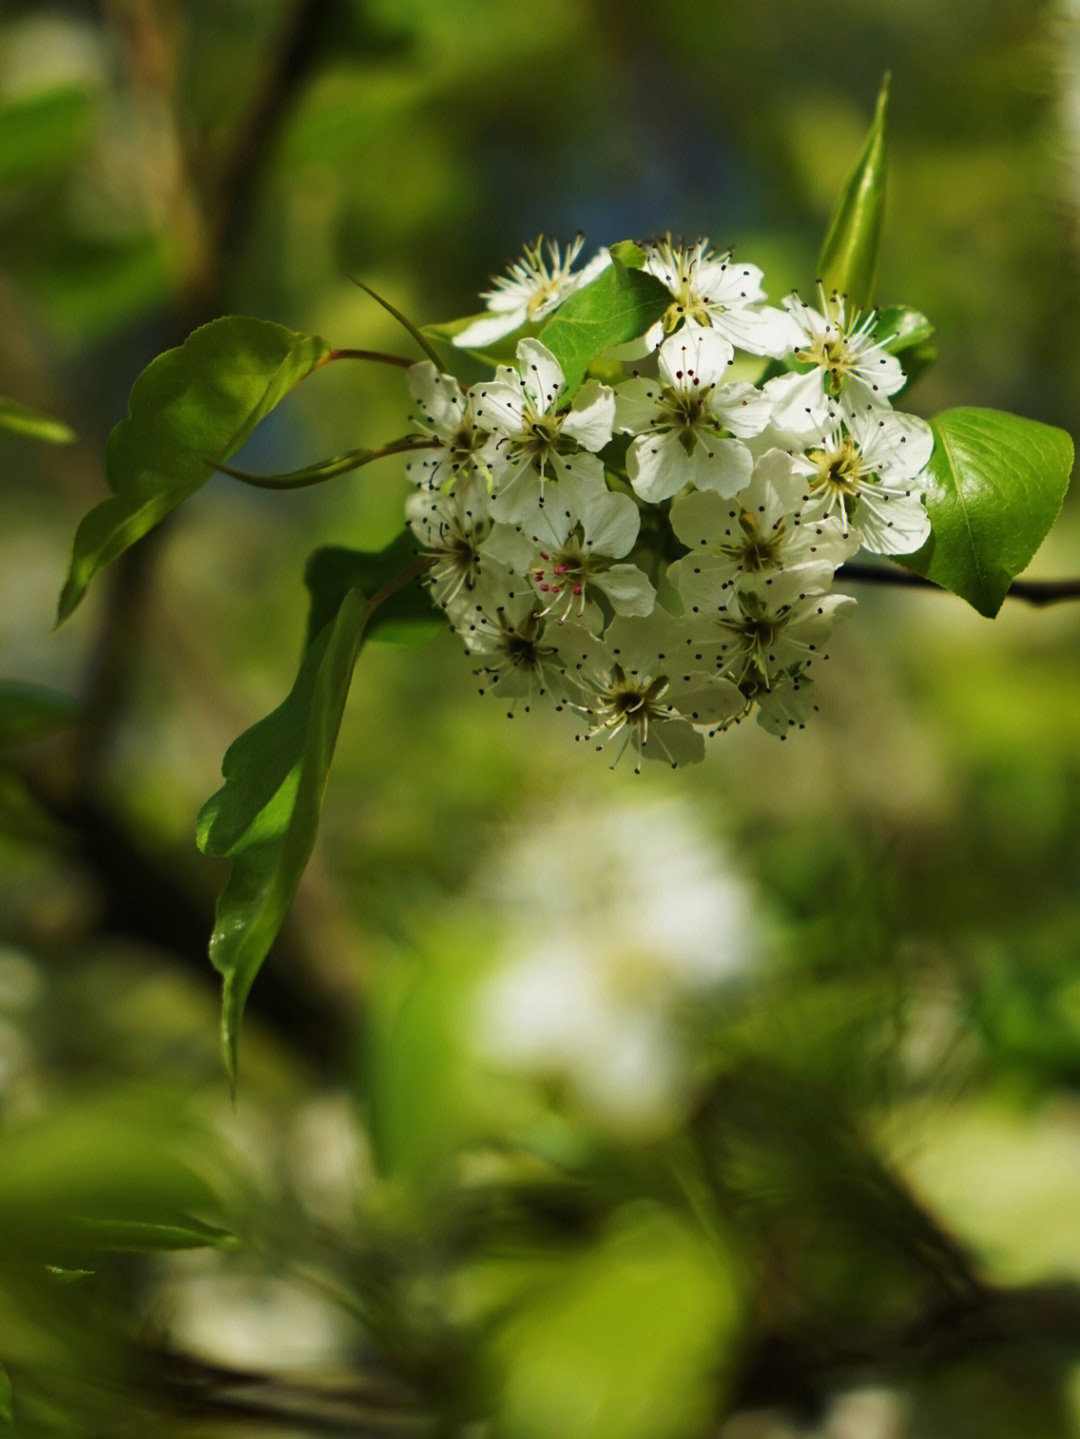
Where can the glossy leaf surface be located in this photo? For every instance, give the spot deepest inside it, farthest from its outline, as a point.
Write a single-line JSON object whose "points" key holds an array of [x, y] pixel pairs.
{"points": [[619, 305], [994, 486], [848, 257], [191, 408]]}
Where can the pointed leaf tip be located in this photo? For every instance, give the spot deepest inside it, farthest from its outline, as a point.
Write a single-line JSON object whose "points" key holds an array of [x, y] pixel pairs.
{"points": [[848, 257]]}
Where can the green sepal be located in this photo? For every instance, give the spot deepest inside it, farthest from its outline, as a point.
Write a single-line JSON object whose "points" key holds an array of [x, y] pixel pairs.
{"points": [[994, 486], [849, 255], [190, 409], [909, 335], [20, 420]]}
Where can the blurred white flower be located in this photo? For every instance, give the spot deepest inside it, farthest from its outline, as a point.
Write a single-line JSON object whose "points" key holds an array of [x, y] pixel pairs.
{"points": [[629, 912]]}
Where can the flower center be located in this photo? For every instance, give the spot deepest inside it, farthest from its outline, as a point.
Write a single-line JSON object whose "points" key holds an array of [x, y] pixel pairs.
{"points": [[756, 551]]}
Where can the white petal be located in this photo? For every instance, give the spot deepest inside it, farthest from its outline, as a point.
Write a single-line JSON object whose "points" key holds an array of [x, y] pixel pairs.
{"points": [[767, 331], [658, 466], [743, 409], [611, 523], [591, 416], [498, 406], [694, 352], [636, 406], [703, 582], [439, 396], [541, 373], [702, 518], [628, 589], [489, 328], [674, 742], [706, 700], [723, 466], [891, 522], [799, 401]]}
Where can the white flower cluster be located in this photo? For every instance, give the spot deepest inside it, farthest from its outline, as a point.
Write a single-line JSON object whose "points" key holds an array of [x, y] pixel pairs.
{"points": [[551, 527]]}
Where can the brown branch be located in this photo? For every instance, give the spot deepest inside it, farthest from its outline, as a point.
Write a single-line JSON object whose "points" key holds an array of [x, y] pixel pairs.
{"points": [[1035, 592]]}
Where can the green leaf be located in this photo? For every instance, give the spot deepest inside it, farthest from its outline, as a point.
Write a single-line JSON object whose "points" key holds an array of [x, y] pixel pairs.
{"points": [[407, 616], [23, 817], [635, 1338], [190, 409], [7, 1411], [469, 364], [99, 1174], [849, 255], [900, 328], [20, 420], [28, 712], [994, 486], [38, 136], [619, 305], [266, 815], [628, 253]]}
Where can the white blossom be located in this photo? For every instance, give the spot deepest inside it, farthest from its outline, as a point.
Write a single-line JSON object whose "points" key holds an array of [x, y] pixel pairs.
{"points": [[682, 423], [845, 358], [536, 441], [567, 556], [762, 530], [864, 466], [462, 450], [715, 291], [637, 682], [534, 286]]}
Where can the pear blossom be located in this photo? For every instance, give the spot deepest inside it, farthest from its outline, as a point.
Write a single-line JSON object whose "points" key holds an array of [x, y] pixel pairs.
{"points": [[759, 532], [519, 658], [636, 682], [534, 286], [462, 450], [568, 557], [452, 529], [865, 467], [536, 441], [845, 358], [682, 422], [715, 291], [763, 631]]}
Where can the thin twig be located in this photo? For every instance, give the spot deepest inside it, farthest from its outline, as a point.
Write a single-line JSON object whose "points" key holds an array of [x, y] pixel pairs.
{"points": [[1035, 592]]}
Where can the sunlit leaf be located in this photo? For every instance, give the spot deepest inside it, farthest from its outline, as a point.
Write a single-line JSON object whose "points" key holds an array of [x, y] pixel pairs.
{"points": [[994, 486], [191, 408], [266, 816], [848, 257], [619, 305], [634, 1338], [94, 1175], [19, 420]]}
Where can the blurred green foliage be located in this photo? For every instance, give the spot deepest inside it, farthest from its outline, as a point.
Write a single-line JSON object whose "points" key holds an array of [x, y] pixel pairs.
{"points": [[896, 1077]]}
